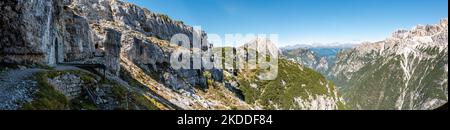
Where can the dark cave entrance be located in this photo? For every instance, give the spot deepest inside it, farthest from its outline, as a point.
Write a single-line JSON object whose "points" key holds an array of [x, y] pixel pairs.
{"points": [[56, 51]]}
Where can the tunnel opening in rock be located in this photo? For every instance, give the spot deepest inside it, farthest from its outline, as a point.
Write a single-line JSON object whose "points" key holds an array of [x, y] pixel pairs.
{"points": [[56, 51]]}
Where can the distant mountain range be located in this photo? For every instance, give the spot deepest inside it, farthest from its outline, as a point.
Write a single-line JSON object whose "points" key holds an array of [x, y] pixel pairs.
{"points": [[320, 45], [406, 71], [319, 59]]}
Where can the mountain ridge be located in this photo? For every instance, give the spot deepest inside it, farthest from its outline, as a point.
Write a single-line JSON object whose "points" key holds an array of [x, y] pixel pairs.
{"points": [[403, 60]]}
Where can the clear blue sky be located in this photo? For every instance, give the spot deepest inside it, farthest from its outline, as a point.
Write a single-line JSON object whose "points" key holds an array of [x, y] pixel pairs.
{"points": [[303, 21]]}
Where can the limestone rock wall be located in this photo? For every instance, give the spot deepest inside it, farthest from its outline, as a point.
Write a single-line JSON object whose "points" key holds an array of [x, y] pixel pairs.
{"points": [[78, 36], [29, 30], [129, 16]]}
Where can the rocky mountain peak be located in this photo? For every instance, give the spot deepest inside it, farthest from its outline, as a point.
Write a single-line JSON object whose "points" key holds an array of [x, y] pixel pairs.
{"points": [[263, 46], [407, 40], [444, 23], [422, 30]]}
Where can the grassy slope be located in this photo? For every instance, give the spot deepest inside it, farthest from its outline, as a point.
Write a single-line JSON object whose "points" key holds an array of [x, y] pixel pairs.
{"points": [[300, 82]]}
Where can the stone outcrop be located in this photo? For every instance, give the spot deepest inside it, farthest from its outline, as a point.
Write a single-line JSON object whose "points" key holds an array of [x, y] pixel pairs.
{"points": [[68, 84], [112, 51]]}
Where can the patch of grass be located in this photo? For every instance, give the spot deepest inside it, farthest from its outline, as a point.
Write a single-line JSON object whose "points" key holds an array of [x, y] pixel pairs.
{"points": [[47, 98], [128, 98], [139, 99], [207, 74], [83, 104], [54, 74], [86, 77], [342, 106], [120, 93], [43, 66], [143, 101], [125, 75]]}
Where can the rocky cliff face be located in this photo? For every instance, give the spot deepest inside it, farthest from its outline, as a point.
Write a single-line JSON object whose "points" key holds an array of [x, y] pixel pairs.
{"points": [[131, 42], [29, 30], [406, 71]]}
